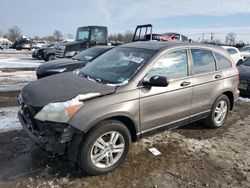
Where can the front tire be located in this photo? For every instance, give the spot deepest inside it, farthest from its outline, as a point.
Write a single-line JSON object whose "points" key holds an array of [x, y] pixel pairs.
{"points": [[105, 147], [219, 112], [50, 57]]}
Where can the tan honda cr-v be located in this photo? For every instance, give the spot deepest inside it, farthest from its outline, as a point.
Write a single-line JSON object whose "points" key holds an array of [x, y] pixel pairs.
{"points": [[131, 91]]}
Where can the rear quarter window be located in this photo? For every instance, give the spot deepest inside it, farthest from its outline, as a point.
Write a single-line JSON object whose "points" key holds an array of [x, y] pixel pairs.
{"points": [[222, 62], [203, 61], [232, 51]]}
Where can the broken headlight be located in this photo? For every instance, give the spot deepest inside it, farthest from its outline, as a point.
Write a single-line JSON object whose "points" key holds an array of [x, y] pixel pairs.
{"points": [[63, 111]]}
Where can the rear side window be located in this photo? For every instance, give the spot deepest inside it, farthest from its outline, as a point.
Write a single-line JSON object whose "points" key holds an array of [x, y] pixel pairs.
{"points": [[172, 65], [222, 62], [203, 61], [232, 51]]}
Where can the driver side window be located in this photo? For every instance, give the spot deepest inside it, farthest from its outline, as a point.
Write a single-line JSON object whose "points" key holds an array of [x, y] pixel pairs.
{"points": [[172, 65]]}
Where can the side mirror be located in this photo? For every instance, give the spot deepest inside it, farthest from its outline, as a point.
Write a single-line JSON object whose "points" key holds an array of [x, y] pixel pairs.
{"points": [[158, 81]]}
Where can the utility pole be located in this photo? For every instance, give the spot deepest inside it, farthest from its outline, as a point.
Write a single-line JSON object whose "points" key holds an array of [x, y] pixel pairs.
{"points": [[212, 37]]}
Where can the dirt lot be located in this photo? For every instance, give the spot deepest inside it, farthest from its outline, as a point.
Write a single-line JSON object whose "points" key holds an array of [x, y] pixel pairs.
{"points": [[192, 156]]}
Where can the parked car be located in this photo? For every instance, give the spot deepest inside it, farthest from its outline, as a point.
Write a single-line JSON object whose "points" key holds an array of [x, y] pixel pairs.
{"points": [[37, 44], [40, 53], [245, 51], [23, 42], [4, 46], [86, 37], [76, 62], [235, 54], [244, 70], [131, 91], [145, 33]]}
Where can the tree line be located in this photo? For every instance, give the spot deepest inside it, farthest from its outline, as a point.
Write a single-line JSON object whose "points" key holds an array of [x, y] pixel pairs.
{"points": [[14, 33]]}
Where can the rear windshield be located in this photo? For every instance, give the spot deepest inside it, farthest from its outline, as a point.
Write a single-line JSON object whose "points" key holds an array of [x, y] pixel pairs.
{"points": [[90, 54]]}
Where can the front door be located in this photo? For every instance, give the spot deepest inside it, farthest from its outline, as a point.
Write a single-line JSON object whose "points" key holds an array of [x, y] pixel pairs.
{"points": [[164, 107]]}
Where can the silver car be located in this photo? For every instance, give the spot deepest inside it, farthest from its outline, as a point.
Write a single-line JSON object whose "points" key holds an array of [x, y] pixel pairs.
{"points": [[93, 115]]}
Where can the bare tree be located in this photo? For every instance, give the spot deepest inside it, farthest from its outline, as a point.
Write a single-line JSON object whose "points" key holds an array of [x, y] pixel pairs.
{"points": [[57, 35], [230, 38], [50, 39], [69, 36], [128, 36], [122, 37], [14, 33]]}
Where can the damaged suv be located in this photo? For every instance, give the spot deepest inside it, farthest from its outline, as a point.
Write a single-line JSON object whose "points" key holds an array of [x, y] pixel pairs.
{"points": [[134, 90]]}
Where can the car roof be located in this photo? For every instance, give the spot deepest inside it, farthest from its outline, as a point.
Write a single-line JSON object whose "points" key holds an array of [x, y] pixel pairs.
{"points": [[158, 45], [150, 45], [228, 47]]}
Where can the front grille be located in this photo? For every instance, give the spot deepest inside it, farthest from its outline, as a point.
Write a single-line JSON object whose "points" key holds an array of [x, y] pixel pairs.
{"points": [[60, 51]]}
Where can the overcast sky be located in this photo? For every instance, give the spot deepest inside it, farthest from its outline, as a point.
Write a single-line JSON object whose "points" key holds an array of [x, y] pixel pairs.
{"points": [[190, 17]]}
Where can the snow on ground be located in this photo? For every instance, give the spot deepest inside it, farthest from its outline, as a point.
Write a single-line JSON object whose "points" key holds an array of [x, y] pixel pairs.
{"points": [[244, 99], [17, 59], [8, 119], [12, 81], [13, 51], [26, 62]]}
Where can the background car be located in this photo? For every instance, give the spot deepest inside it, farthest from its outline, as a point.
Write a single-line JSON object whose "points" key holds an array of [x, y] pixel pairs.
{"points": [[71, 64], [244, 70], [39, 53], [235, 54], [145, 33], [245, 51]]}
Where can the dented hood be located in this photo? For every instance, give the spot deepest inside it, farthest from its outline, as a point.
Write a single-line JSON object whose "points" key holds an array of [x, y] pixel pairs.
{"points": [[59, 88]]}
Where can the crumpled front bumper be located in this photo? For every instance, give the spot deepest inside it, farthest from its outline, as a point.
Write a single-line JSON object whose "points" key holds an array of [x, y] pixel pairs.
{"points": [[54, 141]]}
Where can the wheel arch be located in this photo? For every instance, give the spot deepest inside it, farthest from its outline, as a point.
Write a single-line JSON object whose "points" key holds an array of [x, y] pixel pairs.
{"points": [[124, 118], [230, 96]]}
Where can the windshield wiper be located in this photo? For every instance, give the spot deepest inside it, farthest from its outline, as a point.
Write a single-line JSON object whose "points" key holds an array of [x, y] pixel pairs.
{"points": [[91, 77]]}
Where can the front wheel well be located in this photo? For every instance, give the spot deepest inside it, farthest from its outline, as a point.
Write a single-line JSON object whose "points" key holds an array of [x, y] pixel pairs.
{"points": [[129, 124], [230, 96]]}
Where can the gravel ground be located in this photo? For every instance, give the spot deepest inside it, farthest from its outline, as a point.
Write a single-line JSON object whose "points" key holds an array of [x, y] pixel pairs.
{"points": [[191, 156]]}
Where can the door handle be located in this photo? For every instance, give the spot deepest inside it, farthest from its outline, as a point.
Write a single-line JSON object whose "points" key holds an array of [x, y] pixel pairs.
{"points": [[185, 83], [218, 76]]}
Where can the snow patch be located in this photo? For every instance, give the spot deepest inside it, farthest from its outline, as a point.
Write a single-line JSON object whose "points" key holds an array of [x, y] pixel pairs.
{"points": [[10, 81], [19, 62], [244, 99], [8, 119]]}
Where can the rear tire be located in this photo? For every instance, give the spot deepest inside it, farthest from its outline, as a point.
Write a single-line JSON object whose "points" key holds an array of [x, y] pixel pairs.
{"points": [[105, 147], [219, 112]]}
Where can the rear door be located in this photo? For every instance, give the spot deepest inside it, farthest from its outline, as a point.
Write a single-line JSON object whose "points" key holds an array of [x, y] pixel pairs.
{"points": [[164, 107], [208, 82]]}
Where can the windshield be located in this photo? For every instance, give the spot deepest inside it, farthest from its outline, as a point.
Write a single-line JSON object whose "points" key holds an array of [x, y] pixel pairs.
{"points": [[246, 62], [245, 49], [90, 54], [82, 33], [116, 66]]}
